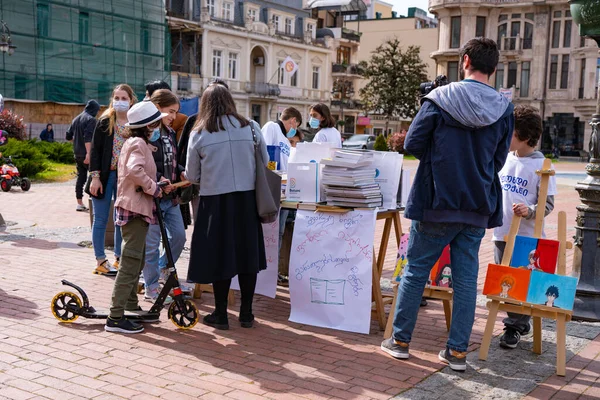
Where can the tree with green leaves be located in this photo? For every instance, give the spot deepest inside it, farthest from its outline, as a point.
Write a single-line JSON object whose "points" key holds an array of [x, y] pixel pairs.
{"points": [[394, 77]]}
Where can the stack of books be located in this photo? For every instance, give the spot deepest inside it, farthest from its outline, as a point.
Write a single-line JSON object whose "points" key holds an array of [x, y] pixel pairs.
{"points": [[349, 180]]}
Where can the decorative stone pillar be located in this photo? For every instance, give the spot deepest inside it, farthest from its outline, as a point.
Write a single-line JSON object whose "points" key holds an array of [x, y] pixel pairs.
{"points": [[586, 14]]}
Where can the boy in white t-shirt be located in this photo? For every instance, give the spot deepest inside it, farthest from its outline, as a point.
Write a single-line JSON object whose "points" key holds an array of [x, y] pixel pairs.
{"points": [[278, 133], [520, 189]]}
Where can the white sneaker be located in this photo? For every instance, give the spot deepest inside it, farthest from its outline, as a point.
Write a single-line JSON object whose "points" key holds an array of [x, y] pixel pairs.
{"points": [[152, 294], [81, 207]]}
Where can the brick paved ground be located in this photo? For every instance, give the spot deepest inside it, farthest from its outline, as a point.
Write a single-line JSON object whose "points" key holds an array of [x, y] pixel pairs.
{"points": [[40, 358]]}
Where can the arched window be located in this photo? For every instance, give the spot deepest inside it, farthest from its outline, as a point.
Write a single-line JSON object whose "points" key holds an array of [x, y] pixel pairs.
{"points": [[520, 29]]}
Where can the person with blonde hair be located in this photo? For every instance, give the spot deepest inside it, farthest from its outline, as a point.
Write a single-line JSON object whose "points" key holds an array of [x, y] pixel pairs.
{"points": [[108, 139]]}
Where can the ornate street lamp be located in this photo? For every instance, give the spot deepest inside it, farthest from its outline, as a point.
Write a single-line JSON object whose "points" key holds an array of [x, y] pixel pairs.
{"points": [[586, 14], [6, 45]]}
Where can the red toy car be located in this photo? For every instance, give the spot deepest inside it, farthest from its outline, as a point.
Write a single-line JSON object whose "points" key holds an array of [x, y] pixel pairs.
{"points": [[9, 176]]}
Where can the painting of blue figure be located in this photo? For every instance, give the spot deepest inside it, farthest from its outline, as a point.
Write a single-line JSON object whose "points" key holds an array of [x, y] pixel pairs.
{"points": [[552, 290]]}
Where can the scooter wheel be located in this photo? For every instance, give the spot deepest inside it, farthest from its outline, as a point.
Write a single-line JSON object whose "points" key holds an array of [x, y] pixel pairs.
{"points": [[63, 305], [186, 318]]}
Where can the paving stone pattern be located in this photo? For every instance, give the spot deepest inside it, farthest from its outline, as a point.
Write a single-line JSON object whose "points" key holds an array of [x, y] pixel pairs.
{"points": [[41, 358]]}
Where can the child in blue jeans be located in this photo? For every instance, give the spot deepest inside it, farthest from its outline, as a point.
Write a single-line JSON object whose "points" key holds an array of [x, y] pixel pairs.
{"points": [[520, 190]]}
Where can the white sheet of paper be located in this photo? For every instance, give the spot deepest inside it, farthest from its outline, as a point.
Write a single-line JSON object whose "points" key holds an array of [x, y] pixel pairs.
{"points": [[266, 282], [331, 265]]}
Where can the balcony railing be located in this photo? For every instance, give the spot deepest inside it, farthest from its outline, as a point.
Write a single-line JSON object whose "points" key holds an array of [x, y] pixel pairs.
{"points": [[350, 35], [352, 69], [515, 43], [263, 89], [348, 104]]}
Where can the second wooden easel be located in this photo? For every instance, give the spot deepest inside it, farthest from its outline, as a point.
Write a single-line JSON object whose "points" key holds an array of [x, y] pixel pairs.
{"points": [[536, 311]]}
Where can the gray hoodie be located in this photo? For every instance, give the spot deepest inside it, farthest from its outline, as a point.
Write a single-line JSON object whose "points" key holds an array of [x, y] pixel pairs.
{"points": [[472, 104]]}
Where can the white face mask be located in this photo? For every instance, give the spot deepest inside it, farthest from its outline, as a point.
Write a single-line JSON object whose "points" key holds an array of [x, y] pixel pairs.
{"points": [[121, 105]]}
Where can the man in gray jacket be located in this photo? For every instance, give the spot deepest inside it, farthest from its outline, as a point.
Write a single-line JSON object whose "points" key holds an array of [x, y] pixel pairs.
{"points": [[80, 133]]}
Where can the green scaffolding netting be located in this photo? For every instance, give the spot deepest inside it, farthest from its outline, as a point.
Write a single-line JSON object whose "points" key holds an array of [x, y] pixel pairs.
{"points": [[75, 50]]}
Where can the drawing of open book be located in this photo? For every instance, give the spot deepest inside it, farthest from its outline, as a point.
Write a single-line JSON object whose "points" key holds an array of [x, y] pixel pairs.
{"points": [[323, 291]]}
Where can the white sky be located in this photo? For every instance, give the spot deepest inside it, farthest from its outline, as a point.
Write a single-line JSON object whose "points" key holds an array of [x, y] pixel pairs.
{"points": [[402, 5]]}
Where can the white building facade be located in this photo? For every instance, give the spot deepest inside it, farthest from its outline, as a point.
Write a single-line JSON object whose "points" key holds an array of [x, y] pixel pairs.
{"points": [[245, 44]]}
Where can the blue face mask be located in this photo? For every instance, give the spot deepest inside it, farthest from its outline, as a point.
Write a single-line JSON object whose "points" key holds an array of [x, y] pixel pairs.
{"points": [[155, 135], [314, 123], [291, 133]]}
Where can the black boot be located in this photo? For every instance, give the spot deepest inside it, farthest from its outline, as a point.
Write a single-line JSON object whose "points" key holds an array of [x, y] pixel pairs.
{"points": [[246, 317], [217, 320]]}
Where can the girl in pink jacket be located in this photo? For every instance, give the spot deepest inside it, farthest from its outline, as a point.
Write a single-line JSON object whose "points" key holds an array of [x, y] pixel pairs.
{"points": [[134, 207]]}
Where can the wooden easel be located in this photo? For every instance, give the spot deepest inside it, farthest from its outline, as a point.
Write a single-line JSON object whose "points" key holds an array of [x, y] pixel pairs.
{"points": [[536, 311], [430, 292]]}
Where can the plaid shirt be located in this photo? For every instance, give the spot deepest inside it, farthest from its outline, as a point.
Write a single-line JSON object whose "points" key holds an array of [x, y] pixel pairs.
{"points": [[124, 216]]}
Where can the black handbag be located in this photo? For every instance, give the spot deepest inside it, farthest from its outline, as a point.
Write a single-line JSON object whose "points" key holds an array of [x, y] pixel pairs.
{"points": [[87, 190], [268, 187]]}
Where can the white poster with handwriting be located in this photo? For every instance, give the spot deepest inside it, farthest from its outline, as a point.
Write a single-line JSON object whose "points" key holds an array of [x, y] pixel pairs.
{"points": [[266, 282], [331, 269]]}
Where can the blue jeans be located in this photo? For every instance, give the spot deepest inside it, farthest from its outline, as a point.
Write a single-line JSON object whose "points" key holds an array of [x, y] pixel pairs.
{"points": [[101, 210], [156, 259], [426, 243]]}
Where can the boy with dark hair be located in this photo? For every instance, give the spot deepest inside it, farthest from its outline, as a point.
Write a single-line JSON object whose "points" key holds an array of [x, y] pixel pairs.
{"points": [[520, 190]]}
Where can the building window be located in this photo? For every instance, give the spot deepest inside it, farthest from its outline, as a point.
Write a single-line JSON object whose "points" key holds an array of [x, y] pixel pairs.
{"points": [[276, 22], [556, 34], [512, 74], [515, 16], [582, 41], [582, 79], [228, 11], [564, 72], [233, 66], [310, 28], [502, 17], [567, 34], [43, 20], [557, 14], [529, 16], [316, 78], [288, 26], [480, 27], [216, 63], [212, 8], [501, 36], [525, 70], [597, 74], [252, 14], [454, 32], [528, 37], [84, 27], [343, 55], [145, 38], [294, 79], [280, 72], [500, 76], [453, 71], [553, 71]]}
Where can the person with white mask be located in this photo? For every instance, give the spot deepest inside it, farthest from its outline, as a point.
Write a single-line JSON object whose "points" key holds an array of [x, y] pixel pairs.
{"points": [[109, 136]]}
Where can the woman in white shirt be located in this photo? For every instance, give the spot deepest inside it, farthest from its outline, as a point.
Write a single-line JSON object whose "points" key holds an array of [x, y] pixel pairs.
{"points": [[320, 118]]}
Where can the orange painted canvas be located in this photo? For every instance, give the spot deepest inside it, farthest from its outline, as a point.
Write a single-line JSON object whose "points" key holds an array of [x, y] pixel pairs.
{"points": [[507, 282]]}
